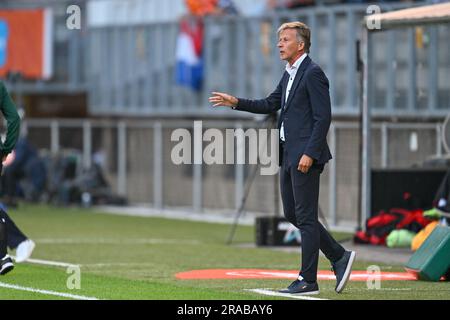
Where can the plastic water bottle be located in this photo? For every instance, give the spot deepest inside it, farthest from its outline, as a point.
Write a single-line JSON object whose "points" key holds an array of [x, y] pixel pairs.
{"points": [[86, 199]]}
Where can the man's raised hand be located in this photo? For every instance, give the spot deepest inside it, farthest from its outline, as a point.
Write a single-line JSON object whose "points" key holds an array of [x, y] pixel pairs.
{"points": [[223, 99]]}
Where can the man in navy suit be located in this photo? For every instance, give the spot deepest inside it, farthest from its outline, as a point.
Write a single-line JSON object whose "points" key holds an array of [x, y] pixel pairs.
{"points": [[304, 99]]}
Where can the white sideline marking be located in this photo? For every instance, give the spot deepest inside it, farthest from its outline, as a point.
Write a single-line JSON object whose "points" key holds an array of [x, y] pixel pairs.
{"points": [[117, 264], [47, 292], [49, 263], [88, 265], [115, 241], [269, 292]]}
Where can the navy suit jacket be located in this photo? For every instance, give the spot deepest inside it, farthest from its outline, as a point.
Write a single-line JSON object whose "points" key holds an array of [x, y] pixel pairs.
{"points": [[306, 114]]}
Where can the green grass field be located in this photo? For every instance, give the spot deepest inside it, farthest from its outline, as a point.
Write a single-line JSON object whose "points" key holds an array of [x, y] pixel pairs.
{"points": [[124, 257]]}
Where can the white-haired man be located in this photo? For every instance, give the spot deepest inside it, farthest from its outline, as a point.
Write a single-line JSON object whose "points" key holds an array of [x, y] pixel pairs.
{"points": [[304, 98]]}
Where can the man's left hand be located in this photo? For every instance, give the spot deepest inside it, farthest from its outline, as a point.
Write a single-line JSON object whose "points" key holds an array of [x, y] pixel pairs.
{"points": [[305, 163]]}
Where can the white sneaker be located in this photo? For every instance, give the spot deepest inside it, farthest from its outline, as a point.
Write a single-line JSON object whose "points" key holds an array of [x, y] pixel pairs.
{"points": [[24, 250], [6, 265]]}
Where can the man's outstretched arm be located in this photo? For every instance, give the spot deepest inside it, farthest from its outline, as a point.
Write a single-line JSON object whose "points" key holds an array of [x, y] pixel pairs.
{"points": [[263, 106]]}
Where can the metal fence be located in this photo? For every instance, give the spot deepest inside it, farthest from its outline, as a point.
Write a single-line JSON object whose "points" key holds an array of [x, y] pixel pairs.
{"points": [[129, 70], [132, 68], [137, 163]]}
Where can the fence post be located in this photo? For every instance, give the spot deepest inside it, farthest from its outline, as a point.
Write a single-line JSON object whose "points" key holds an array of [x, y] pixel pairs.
{"points": [[158, 166], [331, 67], [384, 145], [433, 69], [87, 144], [197, 167], [351, 65], [54, 136], [367, 103], [412, 70], [391, 70], [122, 158], [332, 178], [239, 172], [439, 139]]}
